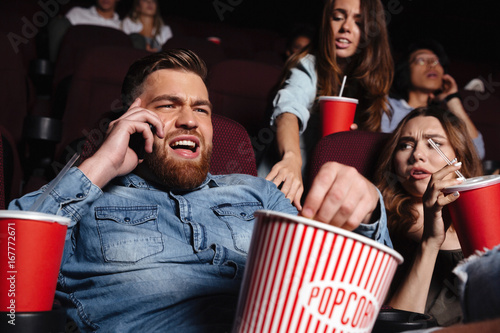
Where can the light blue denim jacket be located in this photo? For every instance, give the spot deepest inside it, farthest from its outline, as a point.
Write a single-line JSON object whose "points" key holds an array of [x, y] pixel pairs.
{"points": [[299, 92], [141, 259], [297, 97]]}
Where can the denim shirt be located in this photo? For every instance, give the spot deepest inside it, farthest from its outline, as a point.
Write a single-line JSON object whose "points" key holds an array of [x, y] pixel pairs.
{"points": [[139, 258]]}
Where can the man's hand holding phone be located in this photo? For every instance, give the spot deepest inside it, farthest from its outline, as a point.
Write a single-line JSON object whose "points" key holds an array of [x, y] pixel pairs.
{"points": [[137, 143], [116, 157]]}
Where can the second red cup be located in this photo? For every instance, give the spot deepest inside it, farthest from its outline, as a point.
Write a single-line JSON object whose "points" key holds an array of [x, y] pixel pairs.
{"points": [[476, 213], [337, 113]]}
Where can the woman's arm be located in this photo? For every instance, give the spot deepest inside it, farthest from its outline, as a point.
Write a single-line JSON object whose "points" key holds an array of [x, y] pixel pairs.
{"points": [[289, 170], [291, 114], [412, 293]]}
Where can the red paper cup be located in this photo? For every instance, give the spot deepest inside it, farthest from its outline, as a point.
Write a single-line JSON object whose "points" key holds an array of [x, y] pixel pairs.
{"points": [[31, 245], [307, 276], [476, 213], [337, 113]]}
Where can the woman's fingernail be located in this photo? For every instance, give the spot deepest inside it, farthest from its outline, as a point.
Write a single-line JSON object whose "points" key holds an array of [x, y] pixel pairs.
{"points": [[458, 164], [455, 194], [454, 160]]}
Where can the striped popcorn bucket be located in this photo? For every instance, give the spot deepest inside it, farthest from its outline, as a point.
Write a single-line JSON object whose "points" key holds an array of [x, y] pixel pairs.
{"points": [[307, 276]]}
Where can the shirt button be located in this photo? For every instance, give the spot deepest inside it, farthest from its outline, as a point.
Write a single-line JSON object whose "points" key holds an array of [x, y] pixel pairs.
{"points": [[79, 195], [127, 219], [243, 214]]}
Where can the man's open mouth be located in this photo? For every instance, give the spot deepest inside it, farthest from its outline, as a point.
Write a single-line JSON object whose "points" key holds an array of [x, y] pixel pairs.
{"points": [[184, 144]]}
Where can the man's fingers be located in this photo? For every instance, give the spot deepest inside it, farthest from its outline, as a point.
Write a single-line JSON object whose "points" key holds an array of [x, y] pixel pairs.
{"points": [[336, 206], [340, 196], [318, 191], [136, 103], [297, 199]]}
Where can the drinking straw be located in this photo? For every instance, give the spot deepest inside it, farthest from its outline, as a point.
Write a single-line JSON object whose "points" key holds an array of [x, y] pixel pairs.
{"points": [[440, 152], [342, 87], [52, 184]]}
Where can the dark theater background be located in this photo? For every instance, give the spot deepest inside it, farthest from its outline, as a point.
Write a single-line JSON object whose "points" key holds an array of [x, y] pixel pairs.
{"points": [[469, 30]]}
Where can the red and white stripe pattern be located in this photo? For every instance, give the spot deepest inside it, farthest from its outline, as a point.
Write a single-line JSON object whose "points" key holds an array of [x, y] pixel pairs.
{"points": [[300, 278]]}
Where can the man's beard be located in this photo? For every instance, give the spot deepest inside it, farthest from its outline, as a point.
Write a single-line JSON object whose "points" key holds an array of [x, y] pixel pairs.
{"points": [[178, 174]]}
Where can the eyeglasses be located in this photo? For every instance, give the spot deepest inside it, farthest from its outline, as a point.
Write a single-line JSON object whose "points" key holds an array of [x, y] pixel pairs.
{"points": [[420, 61]]}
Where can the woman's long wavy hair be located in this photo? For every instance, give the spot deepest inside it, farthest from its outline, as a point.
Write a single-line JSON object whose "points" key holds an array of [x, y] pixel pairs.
{"points": [[369, 71], [157, 21], [400, 213]]}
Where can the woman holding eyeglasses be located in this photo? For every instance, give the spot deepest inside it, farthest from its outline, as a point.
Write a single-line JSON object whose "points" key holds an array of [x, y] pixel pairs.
{"points": [[421, 79]]}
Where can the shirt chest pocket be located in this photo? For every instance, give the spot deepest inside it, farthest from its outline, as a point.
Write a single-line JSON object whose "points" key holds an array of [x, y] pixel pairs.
{"points": [[239, 218], [128, 234]]}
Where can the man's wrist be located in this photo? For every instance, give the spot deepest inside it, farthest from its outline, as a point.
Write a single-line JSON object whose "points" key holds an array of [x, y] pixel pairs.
{"points": [[98, 175]]}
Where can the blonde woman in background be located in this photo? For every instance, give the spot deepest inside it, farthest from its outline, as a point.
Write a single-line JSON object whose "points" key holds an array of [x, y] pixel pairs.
{"points": [[145, 26]]}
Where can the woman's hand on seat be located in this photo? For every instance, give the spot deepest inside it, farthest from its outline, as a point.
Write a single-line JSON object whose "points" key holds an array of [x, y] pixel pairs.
{"points": [[287, 175]]}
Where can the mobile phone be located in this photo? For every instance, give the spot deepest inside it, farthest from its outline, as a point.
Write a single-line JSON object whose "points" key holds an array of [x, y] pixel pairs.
{"points": [[137, 142]]}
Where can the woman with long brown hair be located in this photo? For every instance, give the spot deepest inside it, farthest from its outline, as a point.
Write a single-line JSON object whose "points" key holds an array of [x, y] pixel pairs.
{"points": [[352, 42], [411, 176], [145, 25]]}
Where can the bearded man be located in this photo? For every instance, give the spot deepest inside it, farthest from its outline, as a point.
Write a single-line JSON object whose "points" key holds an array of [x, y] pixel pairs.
{"points": [[160, 244]]}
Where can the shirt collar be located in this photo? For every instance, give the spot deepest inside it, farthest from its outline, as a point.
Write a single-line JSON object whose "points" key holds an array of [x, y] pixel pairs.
{"points": [[405, 104], [133, 180], [93, 9]]}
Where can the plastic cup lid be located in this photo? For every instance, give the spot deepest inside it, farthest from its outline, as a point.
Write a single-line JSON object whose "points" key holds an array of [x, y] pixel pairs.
{"points": [[28, 215], [474, 183], [339, 99], [336, 230]]}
